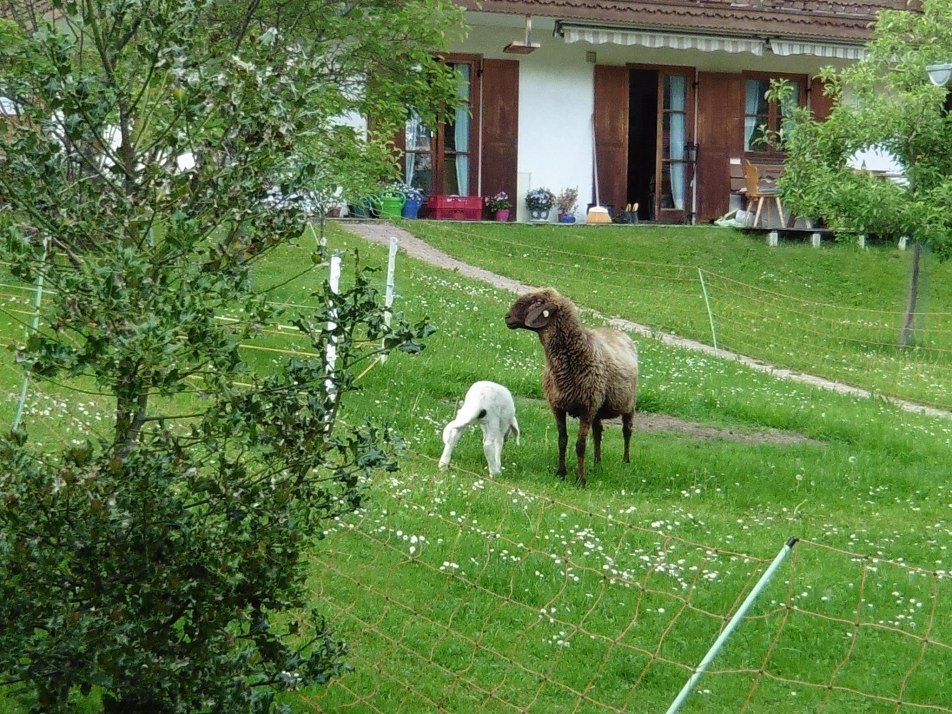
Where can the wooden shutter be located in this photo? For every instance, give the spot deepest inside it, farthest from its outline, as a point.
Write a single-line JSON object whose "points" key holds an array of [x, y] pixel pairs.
{"points": [[820, 104], [500, 116], [611, 135], [720, 102]]}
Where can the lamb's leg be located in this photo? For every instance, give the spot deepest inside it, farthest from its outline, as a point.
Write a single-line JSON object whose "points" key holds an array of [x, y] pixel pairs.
{"points": [[563, 440], [597, 439], [626, 420], [583, 427], [451, 435], [492, 447]]}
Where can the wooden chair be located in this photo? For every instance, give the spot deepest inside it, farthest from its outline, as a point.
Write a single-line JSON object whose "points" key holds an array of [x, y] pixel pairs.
{"points": [[758, 193]]}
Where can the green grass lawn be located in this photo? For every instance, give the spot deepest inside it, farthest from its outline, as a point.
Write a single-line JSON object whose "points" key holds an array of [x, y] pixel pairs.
{"points": [[834, 311], [521, 593]]}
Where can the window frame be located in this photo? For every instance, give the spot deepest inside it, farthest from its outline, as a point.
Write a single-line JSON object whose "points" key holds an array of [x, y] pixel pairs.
{"points": [[438, 150], [774, 118]]}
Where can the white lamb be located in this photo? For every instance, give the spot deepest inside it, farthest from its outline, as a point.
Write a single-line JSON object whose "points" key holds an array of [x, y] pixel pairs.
{"points": [[490, 405]]}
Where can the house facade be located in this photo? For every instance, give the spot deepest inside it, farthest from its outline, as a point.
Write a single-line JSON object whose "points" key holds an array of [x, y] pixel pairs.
{"points": [[663, 97]]}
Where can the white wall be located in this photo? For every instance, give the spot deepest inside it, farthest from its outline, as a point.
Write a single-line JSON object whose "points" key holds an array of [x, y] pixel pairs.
{"points": [[555, 111], [556, 95]]}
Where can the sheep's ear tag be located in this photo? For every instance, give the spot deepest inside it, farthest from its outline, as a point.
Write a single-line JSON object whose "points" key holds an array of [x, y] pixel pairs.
{"points": [[538, 316]]}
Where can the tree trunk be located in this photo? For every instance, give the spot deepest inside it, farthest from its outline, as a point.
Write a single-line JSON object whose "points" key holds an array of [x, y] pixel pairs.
{"points": [[906, 335]]}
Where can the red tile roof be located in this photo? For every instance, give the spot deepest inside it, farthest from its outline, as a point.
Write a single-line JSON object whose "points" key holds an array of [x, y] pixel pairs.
{"points": [[815, 19]]}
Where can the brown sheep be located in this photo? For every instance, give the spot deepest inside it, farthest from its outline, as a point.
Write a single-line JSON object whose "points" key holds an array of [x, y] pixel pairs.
{"points": [[590, 374]]}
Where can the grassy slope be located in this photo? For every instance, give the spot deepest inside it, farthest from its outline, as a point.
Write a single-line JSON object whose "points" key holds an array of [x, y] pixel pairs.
{"points": [[464, 604], [834, 311], [440, 583]]}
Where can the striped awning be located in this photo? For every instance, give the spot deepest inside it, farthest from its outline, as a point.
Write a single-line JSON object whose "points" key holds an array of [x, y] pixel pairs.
{"points": [[784, 48], [661, 40]]}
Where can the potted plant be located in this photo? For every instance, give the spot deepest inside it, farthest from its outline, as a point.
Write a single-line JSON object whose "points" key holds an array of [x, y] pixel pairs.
{"points": [[539, 202], [498, 205], [413, 200], [566, 202], [366, 207]]}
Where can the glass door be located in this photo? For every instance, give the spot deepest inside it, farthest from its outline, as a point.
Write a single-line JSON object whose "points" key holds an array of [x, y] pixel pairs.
{"points": [[673, 193]]}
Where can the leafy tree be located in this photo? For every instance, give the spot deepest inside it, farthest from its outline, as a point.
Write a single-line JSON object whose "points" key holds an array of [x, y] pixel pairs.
{"points": [[163, 560], [887, 101]]}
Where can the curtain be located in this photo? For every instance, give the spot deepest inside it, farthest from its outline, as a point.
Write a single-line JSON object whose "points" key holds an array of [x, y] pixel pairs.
{"points": [[677, 103], [410, 144], [751, 103], [461, 132]]}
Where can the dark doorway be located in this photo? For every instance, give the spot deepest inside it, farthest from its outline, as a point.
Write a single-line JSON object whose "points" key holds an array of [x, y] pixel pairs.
{"points": [[642, 140]]}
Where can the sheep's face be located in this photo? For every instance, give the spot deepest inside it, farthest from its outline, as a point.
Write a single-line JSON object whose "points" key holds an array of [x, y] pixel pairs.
{"points": [[533, 311]]}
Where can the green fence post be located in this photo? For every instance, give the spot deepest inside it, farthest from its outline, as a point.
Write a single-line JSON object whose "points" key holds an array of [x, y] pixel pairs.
{"points": [[729, 628], [707, 302]]}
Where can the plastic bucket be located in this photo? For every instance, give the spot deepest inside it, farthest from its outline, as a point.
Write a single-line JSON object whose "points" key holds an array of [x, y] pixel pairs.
{"points": [[391, 206]]}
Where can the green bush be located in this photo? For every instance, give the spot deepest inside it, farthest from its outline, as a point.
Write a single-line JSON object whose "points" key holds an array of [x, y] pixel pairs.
{"points": [[169, 573]]}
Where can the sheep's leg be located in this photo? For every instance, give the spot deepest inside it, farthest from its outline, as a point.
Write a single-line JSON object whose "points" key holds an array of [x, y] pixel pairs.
{"points": [[492, 447], [583, 427], [451, 435], [563, 440], [626, 420], [597, 439]]}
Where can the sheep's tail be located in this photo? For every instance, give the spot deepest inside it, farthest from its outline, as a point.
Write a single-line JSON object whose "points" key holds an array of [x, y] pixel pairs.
{"points": [[514, 429]]}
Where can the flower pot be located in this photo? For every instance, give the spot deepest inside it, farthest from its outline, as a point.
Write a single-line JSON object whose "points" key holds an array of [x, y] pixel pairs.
{"points": [[391, 206], [411, 207], [566, 218], [502, 215], [539, 214]]}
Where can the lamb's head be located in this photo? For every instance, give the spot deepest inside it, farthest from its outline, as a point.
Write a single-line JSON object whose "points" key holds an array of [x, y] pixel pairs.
{"points": [[535, 310]]}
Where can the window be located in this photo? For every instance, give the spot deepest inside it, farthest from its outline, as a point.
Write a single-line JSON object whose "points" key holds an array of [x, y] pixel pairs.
{"points": [[443, 160], [762, 118], [418, 169]]}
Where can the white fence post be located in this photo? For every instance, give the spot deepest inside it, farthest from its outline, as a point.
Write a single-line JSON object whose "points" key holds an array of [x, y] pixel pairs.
{"points": [[330, 358], [388, 299], [34, 326]]}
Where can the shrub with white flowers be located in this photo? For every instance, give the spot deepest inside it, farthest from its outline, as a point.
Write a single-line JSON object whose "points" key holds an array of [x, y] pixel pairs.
{"points": [[404, 191], [540, 199]]}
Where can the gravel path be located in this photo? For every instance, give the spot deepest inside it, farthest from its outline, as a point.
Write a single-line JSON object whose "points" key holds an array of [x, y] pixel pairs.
{"points": [[381, 232]]}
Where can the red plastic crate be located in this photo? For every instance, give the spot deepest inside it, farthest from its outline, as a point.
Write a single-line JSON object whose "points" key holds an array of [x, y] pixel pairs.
{"points": [[455, 208]]}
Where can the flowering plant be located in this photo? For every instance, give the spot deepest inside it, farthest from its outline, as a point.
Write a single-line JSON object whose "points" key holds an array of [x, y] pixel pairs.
{"points": [[404, 190], [567, 200], [540, 199], [413, 193], [498, 202]]}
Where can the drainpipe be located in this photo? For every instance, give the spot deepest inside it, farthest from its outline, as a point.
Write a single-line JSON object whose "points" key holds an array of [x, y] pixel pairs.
{"points": [[694, 168]]}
